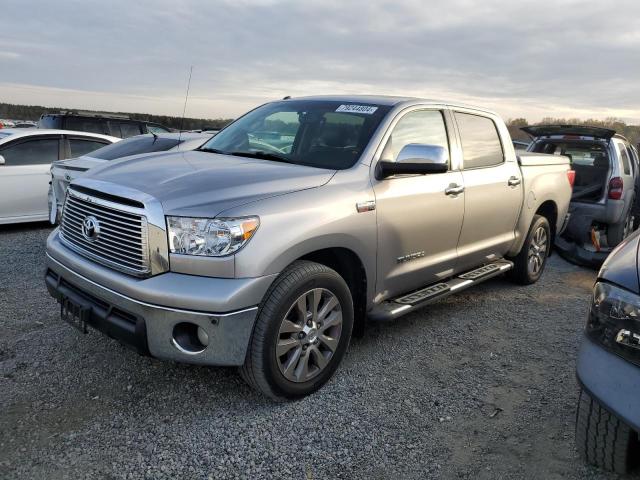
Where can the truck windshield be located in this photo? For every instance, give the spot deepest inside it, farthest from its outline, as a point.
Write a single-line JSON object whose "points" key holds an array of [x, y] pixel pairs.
{"points": [[323, 134]]}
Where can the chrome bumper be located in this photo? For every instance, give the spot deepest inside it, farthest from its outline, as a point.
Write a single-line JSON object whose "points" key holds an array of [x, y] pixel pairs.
{"points": [[224, 308]]}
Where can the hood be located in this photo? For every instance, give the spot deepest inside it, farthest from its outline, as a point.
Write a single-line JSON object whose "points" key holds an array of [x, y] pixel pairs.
{"points": [[621, 266], [570, 130], [198, 183]]}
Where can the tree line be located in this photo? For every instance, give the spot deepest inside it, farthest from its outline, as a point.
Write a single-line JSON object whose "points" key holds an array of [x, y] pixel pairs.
{"points": [[32, 112]]}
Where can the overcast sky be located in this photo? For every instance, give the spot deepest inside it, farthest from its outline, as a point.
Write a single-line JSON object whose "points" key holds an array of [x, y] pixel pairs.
{"points": [[522, 58]]}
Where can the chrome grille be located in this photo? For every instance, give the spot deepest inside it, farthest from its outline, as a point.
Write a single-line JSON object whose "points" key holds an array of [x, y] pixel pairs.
{"points": [[121, 239]]}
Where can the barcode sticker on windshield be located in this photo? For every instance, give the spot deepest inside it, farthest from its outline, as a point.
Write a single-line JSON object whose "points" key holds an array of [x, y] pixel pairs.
{"points": [[366, 109]]}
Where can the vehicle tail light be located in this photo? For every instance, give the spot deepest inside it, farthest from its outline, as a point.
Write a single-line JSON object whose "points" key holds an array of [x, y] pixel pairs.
{"points": [[615, 188], [571, 176]]}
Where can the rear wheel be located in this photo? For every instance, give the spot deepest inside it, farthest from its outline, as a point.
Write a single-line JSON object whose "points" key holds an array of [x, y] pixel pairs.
{"points": [[603, 439], [529, 263], [301, 333]]}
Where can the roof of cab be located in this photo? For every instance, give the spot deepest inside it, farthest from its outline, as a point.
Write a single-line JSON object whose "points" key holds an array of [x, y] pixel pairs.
{"points": [[390, 100]]}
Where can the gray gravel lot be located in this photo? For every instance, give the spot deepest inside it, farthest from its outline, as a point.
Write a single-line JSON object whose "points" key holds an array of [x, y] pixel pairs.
{"points": [[478, 386]]}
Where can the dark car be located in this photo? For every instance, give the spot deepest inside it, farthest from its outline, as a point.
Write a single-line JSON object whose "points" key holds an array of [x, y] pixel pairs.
{"points": [[108, 124], [608, 370]]}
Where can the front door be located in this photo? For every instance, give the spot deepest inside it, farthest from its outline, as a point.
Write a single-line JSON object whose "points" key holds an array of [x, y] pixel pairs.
{"points": [[418, 223]]}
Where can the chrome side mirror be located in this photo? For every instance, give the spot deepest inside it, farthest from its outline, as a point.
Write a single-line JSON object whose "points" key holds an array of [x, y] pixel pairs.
{"points": [[416, 158]]}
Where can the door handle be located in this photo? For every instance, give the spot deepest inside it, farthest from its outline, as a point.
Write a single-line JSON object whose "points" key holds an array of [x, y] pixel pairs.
{"points": [[454, 189], [513, 181]]}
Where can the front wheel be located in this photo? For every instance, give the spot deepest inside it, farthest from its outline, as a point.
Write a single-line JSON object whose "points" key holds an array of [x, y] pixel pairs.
{"points": [[530, 262], [301, 334], [603, 439]]}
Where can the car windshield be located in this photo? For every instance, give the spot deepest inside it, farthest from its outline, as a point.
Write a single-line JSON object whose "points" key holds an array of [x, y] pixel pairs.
{"points": [[323, 134], [134, 146]]}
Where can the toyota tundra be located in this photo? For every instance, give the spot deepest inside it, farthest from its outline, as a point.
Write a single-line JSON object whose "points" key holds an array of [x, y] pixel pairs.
{"points": [[267, 247]]}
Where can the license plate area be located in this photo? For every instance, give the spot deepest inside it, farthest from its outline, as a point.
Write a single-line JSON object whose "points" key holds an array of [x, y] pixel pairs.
{"points": [[74, 314]]}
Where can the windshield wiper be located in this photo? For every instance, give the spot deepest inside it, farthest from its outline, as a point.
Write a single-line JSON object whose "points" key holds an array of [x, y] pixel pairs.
{"points": [[264, 156], [211, 150]]}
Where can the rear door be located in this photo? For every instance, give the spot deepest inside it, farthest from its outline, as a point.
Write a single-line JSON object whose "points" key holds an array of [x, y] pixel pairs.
{"points": [[24, 177], [418, 221], [493, 191]]}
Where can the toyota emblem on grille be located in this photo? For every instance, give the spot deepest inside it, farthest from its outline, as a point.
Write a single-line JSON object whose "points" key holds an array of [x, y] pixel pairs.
{"points": [[90, 228]]}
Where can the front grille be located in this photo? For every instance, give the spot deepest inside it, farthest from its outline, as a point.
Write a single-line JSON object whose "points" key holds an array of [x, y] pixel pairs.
{"points": [[121, 238]]}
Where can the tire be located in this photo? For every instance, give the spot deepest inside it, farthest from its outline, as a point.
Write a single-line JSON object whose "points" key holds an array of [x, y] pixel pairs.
{"points": [[280, 323], [522, 272], [603, 439], [617, 232]]}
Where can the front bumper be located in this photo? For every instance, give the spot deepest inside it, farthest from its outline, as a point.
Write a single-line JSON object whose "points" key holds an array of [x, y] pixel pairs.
{"points": [[614, 382], [143, 313]]}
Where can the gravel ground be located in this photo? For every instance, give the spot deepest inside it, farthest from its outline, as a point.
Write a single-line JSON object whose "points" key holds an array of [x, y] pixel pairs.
{"points": [[480, 385]]}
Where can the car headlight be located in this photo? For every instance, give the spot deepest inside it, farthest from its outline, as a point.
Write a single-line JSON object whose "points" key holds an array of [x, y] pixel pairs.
{"points": [[614, 320], [209, 237]]}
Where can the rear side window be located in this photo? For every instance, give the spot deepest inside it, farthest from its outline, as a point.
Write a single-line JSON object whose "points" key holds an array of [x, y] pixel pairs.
{"points": [[156, 129], [84, 125], [421, 126], [50, 121], [481, 145], [134, 146], [626, 163], [130, 129], [81, 147], [31, 152]]}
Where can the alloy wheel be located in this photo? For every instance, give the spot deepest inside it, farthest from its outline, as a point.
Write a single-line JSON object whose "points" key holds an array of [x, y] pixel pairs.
{"points": [[537, 250], [309, 335]]}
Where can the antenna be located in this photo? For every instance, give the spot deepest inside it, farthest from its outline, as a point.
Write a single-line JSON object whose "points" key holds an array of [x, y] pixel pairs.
{"points": [[184, 109]]}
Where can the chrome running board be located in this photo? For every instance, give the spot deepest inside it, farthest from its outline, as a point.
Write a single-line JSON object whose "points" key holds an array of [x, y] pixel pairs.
{"points": [[397, 307]]}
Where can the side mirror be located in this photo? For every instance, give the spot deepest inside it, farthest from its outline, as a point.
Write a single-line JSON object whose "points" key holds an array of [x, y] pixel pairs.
{"points": [[2, 162], [415, 158]]}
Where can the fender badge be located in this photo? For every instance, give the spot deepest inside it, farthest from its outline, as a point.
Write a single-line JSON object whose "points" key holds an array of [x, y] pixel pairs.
{"points": [[367, 206]]}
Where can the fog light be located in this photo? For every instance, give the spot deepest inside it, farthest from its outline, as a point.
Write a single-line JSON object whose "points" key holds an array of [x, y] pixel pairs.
{"points": [[189, 338], [203, 337]]}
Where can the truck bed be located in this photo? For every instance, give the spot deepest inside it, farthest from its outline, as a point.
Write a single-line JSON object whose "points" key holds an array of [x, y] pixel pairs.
{"points": [[535, 159]]}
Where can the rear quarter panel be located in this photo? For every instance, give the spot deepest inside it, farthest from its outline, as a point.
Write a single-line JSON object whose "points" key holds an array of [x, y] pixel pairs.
{"points": [[544, 179]]}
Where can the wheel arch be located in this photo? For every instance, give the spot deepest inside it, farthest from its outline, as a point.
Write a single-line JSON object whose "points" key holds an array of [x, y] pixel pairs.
{"points": [[549, 210], [351, 268]]}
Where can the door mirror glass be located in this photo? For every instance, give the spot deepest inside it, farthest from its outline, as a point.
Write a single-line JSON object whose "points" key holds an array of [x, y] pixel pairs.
{"points": [[416, 158], [2, 162]]}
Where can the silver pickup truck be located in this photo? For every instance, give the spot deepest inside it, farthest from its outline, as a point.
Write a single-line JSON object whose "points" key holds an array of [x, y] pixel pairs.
{"points": [[272, 243]]}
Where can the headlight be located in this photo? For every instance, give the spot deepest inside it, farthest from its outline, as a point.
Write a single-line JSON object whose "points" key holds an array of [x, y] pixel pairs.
{"points": [[209, 237], [614, 320]]}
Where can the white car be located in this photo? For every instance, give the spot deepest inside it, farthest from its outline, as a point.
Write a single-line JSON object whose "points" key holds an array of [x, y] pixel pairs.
{"points": [[26, 156], [63, 172]]}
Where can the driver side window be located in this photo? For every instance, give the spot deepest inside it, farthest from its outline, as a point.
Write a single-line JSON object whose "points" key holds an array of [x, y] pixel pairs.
{"points": [[278, 132], [420, 126]]}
